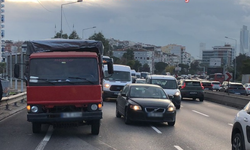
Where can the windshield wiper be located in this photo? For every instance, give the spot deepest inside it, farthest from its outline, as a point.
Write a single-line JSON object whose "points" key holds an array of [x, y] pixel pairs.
{"points": [[81, 78], [44, 80]]}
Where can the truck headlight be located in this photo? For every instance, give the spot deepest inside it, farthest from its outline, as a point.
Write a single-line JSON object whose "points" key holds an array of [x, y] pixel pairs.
{"points": [[93, 107], [34, 109]]}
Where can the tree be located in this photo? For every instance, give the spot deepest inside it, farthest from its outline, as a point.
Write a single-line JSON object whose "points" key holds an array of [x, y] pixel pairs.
{"points": [[58, 35], [145, 68], [137, 65], [74, 35], [100, 37], [160, 67], [170, 69], [194, 67]]}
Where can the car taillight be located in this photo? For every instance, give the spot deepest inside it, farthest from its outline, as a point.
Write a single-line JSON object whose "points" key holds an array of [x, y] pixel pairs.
{"points": [[202, 87], [248, 88], [212, 85], [183, 86]]}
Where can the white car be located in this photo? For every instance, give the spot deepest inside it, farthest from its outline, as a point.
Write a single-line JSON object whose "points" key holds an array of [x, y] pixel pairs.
{"points": [[215, 85], [247, 87], [240, 137]]}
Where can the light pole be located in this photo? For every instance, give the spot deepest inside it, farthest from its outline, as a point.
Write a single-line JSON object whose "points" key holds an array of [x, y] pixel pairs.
{"points": [[87, 29], [234, 56], [61, 12]]}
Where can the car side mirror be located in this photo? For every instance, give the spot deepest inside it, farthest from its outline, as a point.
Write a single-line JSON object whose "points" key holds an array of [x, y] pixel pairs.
{"points": [[123, 94]]}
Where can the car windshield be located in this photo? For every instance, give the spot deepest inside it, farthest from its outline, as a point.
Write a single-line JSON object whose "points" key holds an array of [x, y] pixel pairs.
{"points": [[192, 83], [147, 92], [118, 76], [165, 84]]}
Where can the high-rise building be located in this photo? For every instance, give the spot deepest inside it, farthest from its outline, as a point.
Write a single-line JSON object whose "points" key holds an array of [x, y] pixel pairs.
{"points": [[244, 40], [1, 29]]}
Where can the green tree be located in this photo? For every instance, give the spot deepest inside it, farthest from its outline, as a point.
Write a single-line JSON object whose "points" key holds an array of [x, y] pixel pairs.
{"points": [[145, 68], [100, 37], [246, 66], [194, 67], [170, 69], [58, 35], [74, 35], [137, 65], [160, 67], [116, 60]]}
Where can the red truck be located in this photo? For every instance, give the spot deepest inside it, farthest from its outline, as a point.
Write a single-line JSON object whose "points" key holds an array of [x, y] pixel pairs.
{"points": [[64, 82]]}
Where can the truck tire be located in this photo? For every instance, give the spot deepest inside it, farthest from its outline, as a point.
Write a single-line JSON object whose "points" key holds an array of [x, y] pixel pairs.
{"points": [[36, 127], [95, 127]]}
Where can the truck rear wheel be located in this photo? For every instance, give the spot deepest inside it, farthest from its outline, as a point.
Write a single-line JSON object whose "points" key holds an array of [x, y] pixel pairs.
{"points": [[36, 127], [95, 127]]}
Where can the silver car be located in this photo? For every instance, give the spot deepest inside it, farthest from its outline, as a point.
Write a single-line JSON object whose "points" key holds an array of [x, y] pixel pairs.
{"points": [[215, 85]]}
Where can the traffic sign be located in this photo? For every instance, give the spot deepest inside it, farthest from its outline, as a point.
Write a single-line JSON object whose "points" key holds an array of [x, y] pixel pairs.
{"points": [[228, 76]]}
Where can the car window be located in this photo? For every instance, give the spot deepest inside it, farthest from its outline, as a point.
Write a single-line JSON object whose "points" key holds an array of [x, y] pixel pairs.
{"points": [[192, 83], [235, 86], [147, 92]]}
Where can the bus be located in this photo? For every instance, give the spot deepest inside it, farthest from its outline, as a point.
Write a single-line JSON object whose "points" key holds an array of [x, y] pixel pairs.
{"points": [[217, 77]]}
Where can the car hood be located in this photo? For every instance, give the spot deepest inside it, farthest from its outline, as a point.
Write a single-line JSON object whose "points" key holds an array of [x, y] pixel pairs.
{"points": [[150, 102]]}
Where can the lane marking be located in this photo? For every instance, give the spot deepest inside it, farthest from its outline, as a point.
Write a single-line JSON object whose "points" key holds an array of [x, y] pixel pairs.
{"points": [[200, 113], [178, 147], [46, 139], [230, 124], [156, 130]]}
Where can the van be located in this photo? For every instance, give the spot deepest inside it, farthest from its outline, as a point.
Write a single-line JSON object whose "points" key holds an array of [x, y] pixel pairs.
{"points": [[113, 84], [170, 86]]}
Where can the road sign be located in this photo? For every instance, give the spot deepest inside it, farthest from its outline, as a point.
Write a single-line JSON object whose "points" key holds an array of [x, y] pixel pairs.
{"points": [[228, 76]]}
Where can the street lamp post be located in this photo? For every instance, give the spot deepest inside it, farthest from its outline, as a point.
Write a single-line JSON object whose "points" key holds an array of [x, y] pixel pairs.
{"points": [[87, 29], [234, 56], [61, 12]]}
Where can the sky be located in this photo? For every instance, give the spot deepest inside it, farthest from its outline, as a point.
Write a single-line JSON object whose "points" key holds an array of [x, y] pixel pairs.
{"points": [[157, 22]]}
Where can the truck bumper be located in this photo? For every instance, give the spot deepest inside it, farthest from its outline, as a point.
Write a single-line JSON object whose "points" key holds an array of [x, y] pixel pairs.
{"points": [[64, 117]]}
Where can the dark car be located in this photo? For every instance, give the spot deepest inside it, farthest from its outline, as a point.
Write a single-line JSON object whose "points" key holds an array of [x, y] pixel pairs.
{"points": [[145, 102], [207, 85], [234, 88], [192, 89]]}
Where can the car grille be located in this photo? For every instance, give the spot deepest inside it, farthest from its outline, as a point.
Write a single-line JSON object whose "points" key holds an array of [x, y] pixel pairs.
{"points": [[158, 110], [116, 88]]}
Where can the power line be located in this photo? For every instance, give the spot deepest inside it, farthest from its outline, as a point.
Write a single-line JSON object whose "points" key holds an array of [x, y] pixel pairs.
{"points": [[43, 6]]}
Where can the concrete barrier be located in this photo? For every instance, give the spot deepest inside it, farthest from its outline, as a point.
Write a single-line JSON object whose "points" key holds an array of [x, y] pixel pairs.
{"points": [[237, 101]]}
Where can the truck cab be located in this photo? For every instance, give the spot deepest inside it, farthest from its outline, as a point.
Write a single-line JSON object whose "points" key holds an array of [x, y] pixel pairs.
{"points": [[64, 82]]}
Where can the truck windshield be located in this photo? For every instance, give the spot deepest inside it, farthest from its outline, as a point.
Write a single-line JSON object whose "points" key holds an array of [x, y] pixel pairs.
{"points": [[64, 70], [118, 76]]}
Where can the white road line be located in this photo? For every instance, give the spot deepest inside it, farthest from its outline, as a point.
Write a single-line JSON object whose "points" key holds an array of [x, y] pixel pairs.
{"points": [[178, 147], [200, 113], [46, 139], [156, 130], [230, 124]]}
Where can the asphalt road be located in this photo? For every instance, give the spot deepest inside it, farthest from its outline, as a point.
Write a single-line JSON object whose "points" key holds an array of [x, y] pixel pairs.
{"points": [[199, 126]]}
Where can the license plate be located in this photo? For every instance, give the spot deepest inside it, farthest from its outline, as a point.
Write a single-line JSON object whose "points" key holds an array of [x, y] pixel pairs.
{"points": [[116, 93], [237, 93], [71, 115], [206, 88], [193, 92], [155, 114]]}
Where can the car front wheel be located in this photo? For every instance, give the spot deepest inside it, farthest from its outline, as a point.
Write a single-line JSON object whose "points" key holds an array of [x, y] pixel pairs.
{"points": [[118, 115], [171, 123], [238, 142], [126, 118]]}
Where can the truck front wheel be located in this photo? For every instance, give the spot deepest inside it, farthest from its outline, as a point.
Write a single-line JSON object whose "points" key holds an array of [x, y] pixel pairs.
{"points": [[36, 127], [95, 127]]}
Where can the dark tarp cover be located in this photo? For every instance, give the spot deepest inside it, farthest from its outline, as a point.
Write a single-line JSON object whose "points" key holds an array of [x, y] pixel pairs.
{"points": [[64, 45]]}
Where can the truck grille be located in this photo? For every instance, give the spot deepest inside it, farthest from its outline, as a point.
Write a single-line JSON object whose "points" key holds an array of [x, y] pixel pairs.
{"points": [[116, 87]]}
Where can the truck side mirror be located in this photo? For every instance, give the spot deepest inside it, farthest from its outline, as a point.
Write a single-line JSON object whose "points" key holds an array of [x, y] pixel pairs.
{"points": [[110, 67], [16, 71]]}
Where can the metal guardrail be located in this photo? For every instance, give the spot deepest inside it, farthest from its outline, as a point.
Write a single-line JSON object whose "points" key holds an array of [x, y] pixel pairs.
{"points": [[13, 99]]}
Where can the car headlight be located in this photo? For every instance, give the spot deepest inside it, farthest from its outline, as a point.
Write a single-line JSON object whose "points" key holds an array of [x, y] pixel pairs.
{"points": [[177, 94], [106, 85], [171, 108], [135, 107]]}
